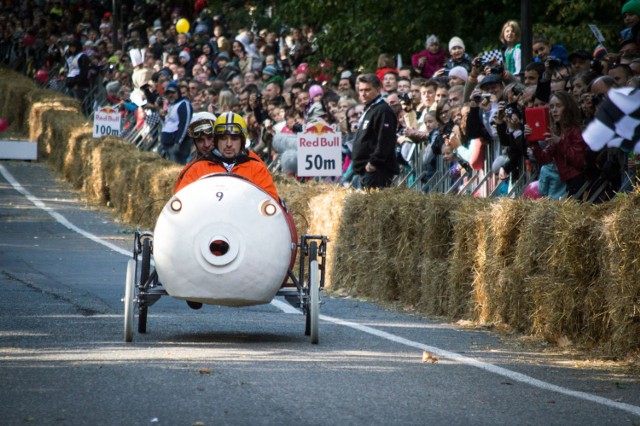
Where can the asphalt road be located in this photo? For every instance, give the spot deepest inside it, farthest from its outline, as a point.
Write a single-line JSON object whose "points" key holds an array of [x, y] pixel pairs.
{"points": [[63, 360]]}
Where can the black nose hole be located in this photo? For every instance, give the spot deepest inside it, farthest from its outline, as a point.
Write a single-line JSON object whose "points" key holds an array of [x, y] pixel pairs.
{"points": [[219, 247]]}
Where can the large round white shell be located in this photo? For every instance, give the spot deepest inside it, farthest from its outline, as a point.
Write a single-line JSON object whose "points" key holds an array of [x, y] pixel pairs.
{"points": [[230, 209]]}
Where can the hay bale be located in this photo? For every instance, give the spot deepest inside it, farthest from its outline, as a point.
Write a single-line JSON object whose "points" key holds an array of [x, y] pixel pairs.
{"points": [[622, 265], [325, 215], [15, 89], [436, 241], [499, 298], [42, 100], [466, 225]]}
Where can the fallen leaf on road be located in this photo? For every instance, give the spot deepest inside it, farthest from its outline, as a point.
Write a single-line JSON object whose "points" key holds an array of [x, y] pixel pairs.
{"points": [[204, 371], [427, 357]]}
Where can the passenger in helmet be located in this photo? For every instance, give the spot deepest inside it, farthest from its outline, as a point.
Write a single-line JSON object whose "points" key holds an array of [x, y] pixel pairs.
{"points": [[201, 133], [229, 155]]}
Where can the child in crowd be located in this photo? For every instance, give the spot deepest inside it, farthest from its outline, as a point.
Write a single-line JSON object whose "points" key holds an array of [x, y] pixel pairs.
{"points": [[427, 62], [510, 38]]}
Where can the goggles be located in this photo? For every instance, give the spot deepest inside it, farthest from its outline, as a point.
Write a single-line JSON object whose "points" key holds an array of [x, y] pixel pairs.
{"points": [[228, 129], [200, 129]]}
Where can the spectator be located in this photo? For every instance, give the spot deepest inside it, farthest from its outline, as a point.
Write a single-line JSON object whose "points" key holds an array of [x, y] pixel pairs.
{"points": [[428, 61], [564, 143], [457, 57], [542, 49], [174, 130], [385, 64], [631, 17], [510, 38], [458, 76], [374, 158], [77, 70]]}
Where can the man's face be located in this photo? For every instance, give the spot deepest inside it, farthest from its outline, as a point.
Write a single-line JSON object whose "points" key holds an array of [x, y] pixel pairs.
{"points": [[236, 85], [404, 86], [302, 100], [367, 92], [249, 78], [559, 80], [393, 100], [494, 88], [415, 94], [229, 145], [531, 78], [269, 92], [618, 75], [389, 83], [344, 85], [455, 99], [580, 64], [428, 94], [204, 144], [541, 50]]}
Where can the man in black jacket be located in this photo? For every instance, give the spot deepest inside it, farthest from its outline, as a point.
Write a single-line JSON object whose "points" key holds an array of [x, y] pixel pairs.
{"points": [[374, 155]]}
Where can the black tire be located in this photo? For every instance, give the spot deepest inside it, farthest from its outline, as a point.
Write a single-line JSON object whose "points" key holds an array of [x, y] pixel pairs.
{"points": [[145, 271], [311, 260]]}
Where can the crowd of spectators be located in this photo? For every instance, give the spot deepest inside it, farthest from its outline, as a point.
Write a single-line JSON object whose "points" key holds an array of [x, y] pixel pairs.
{"points": [[458, 113]]}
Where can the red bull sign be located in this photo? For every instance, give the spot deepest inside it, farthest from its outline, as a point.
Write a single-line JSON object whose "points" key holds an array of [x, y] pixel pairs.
{"points": [[319, 151], [106, 122]]}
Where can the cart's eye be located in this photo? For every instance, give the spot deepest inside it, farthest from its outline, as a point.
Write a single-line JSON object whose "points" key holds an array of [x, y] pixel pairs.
{"points": [[176, 205], [267, 208]]}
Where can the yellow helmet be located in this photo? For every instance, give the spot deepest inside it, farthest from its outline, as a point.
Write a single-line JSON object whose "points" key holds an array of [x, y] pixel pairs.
{"points": [[230, 123]]}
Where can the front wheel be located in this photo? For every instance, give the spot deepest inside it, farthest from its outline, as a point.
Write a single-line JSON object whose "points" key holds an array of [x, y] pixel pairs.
{"points": [[313, 301], [128, 300], [145, 269]]}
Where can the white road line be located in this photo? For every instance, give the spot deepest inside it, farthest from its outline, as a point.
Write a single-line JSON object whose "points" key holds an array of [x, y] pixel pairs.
{"points": [[285, 307]]}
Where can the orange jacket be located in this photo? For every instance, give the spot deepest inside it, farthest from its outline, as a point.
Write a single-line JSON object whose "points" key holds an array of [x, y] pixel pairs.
{"points": [[252, 168]]}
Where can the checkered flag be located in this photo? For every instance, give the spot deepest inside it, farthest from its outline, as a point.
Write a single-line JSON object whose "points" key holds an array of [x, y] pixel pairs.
{"points": [[617, 122], [492, 55]]}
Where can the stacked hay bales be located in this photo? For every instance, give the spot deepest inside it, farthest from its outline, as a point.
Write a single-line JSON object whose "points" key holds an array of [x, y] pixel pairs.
{"points": [[544, 268]]}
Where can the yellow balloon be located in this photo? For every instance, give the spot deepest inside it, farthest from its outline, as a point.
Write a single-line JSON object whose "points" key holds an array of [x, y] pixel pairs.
{"points": [[182, 26]]}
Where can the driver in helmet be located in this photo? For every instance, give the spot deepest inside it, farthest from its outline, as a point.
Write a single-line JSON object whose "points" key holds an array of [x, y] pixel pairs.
{"points": [[228, 153]]}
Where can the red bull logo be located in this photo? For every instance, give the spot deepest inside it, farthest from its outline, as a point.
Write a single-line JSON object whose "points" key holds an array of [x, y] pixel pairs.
{"points": [[319, 129], [319, 141]]}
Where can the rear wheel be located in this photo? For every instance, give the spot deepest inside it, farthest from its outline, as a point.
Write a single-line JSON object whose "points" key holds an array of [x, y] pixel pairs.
{"points": [[128, 300], [313, 292], [145, 271]]}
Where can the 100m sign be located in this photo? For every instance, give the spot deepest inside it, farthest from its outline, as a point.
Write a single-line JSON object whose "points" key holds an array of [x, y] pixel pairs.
{"points": [[105, 131]]}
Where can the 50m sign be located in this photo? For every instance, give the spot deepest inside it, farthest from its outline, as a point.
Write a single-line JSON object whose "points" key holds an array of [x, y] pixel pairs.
{"points": [[106, 122], [319, 155]]}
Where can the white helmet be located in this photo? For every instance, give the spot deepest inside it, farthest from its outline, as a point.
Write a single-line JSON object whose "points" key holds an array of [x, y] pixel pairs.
{"points": [[201, 122]]}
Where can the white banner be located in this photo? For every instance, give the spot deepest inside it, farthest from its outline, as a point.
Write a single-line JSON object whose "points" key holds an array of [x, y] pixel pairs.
{"points": [[106, 122], [319, 151]]}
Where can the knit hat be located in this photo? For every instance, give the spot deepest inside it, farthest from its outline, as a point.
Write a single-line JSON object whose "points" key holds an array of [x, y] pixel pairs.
{"points": [[456, 42], [113, 87], [302, 68], [315, 90], [632, 6], [459, 72], [432, 39], [223, 55], [270, 70], [184, 54]]}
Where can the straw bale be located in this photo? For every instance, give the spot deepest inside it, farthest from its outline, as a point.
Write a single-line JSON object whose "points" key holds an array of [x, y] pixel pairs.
{"points": [[163, 175], [15, 89], [350, 266], [325, 216], [622, 245], [466, 225], [436, 240], [498, 297], [44, 100], [119, 166], [57, 129]]}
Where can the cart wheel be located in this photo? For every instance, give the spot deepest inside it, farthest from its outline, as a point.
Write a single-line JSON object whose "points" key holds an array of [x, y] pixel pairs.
{"points": [[314, 293], [128, 300], [145, 270]]}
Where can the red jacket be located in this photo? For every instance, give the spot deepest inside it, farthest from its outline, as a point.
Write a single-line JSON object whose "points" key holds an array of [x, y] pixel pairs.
{"points": [[433, 63], [251, 167], [568, 154]]}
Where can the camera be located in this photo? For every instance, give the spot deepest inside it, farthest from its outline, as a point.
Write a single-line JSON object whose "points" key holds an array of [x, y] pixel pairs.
{"points": [[497, 69], [405, 98], [479, 63], [480, 96], [554, 63]]}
